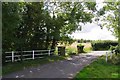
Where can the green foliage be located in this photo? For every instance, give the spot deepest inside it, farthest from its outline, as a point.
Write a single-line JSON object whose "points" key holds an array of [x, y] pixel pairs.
{"points": [[112, 48], [10, 20], [34, 25], [103, 45], [66, 40], [112, 21], [83, 41], [80, 45], [91, 5], [117, 48]]}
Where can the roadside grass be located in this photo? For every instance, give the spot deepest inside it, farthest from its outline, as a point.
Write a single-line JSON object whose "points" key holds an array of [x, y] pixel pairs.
{"points": [[17, 66], [100, 69]]}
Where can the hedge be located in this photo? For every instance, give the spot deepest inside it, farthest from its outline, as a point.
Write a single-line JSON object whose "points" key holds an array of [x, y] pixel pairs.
{"points": [[103, 45]]}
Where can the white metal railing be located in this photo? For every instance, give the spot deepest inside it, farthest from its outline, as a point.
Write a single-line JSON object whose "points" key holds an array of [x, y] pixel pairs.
{"points": [[16, 55]]}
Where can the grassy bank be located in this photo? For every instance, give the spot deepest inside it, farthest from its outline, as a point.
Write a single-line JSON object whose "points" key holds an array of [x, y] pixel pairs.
{"points": [[16, 66], [100, 69]]}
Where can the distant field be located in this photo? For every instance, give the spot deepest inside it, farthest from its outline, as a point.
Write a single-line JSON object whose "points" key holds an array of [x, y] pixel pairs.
{"points": [[73, 46], [87, 45]]}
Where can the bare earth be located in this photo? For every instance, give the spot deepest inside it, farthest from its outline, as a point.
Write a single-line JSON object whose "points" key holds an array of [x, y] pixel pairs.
{"points": [[60, 69]]}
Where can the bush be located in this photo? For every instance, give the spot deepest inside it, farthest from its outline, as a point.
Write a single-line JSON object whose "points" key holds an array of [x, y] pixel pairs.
{"points": [[112, 48], [103, 45], [115, 49]]}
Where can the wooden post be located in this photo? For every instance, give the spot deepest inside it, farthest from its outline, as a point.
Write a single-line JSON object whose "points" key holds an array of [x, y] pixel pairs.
{"points": [[61, 50], [33, 55], [12, 56], [106, 56], [49, 52], [21, 55]]}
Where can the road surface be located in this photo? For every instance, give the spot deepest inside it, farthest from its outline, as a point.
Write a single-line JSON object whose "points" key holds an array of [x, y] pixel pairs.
{"points": [[60, 69]]}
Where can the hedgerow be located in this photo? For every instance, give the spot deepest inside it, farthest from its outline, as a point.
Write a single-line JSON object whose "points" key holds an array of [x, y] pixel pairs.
{"points": [[103, 44]]}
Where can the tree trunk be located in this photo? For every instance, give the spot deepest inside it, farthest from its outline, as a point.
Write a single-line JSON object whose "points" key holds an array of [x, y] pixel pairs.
{"points": [[47, 39], [21, 56], [53, 44], [3, 57]]}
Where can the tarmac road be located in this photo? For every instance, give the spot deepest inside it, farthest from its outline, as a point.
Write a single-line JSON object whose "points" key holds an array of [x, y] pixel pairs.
{"points": [[60, 69]]}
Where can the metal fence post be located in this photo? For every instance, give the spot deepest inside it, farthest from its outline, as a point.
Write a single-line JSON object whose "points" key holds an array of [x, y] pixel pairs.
{"points": [[33, 55], [49, 52], [12, 56]]}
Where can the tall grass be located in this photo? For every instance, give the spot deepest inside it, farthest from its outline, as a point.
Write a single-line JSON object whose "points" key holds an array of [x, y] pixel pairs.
{"points": [[71, 51]]}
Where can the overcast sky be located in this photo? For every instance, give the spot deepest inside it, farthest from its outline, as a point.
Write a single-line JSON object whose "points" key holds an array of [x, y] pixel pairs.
{"points": [[93, 32]]}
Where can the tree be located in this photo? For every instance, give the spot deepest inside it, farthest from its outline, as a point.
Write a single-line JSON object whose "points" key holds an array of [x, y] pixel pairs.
{"points": [[71, 15], [112, 19], [10, 20], [41, 25]]}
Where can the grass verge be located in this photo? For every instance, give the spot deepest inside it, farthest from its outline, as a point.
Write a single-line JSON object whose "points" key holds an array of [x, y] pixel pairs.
{"points": [[16, 66], [100, 69]]}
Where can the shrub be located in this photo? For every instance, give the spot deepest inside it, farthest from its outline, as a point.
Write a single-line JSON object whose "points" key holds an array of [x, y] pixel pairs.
{"points": [[112, 48], [103, 45]]}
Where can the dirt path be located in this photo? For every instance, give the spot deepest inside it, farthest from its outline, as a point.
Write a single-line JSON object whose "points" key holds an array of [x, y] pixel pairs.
{"points": [[61, 69]]}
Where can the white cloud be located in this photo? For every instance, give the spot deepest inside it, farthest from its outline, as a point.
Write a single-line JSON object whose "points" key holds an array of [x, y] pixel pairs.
{"points": [[99, 1], [93, 32]]}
